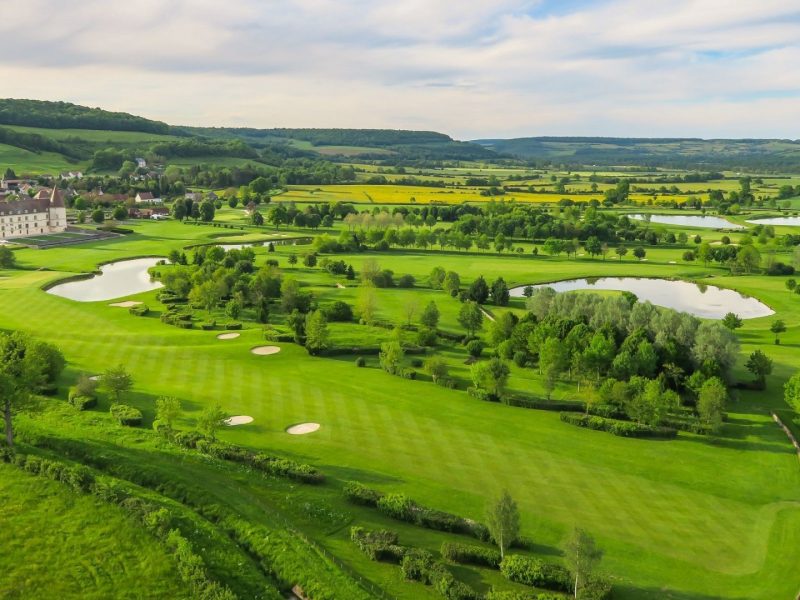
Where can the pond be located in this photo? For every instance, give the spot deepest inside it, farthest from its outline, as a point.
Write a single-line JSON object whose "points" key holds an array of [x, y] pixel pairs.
{"points": [[289, 242], [690, 221], [790, 221], [706, 301], [116, 280]]}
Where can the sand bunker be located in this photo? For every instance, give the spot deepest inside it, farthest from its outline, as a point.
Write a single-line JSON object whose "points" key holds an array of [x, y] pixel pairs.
{"points": [[228, 336], [239, 420], [302, 428], [126, 304], [340, 286], [265, 350], [95, 377]]}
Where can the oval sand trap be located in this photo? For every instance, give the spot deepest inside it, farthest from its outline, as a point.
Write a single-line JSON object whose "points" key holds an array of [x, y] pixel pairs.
{"points": [[265, 350], [95, 377], [302, 428], [228, 336], [239, 420]]}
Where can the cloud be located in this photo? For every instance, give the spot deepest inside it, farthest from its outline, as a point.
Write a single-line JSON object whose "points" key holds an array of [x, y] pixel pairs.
{"points": [[475, 68]]}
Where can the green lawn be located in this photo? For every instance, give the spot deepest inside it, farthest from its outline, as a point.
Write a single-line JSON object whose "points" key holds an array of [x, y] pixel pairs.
{"points": [[692, 518]]}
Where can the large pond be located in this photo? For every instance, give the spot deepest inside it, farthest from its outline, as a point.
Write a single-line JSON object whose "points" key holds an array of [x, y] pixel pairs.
{"points": [[116, 280], [790, 221], [288, 242], [706, 301], [690, 221]]}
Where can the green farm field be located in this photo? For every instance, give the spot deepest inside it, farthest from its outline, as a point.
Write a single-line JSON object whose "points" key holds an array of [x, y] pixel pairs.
{"points": [[691, 518]]}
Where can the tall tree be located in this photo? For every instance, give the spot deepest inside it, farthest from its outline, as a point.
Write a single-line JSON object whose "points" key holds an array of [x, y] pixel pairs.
{"points": [[502, 519], [168, 409], [211, 420], [582, 556], [430, 315], [760, 365], [470, 317], [778, 327], [20, 376], [316, 332], [116, 381]]}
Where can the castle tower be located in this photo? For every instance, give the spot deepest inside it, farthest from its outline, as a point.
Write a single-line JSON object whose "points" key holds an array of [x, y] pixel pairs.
{"points": [[57, 211]]}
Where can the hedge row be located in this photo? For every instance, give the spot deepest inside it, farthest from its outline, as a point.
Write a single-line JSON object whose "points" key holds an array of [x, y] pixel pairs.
{"points": [[80, 402], [417, 565], [467, 554], [403, 508], [139, 311], [544, 404], [616, 427], [272, 465], [536, 573], [156, 519]]}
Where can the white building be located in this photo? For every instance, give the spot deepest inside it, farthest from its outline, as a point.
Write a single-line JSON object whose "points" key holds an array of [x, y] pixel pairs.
{"points": [[140, 163], [33, 216], [148, 198]]}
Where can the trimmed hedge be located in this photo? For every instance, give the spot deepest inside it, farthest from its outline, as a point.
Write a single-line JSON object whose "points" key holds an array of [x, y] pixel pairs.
{"points": [[471, 555], [403, 508], [544, 404], [419, 565], [378, 545], [616, 427], [139, 311], [233, 326], [126, 415], [536, 573], [81, 402], [272, 465]]}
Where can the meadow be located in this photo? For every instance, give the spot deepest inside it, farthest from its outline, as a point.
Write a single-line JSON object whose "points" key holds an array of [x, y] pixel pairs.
{"points": [[692, 518]]}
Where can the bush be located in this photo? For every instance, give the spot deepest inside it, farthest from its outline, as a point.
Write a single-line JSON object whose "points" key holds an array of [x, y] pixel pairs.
{"points": [[338, 311], [616, 427], [361, 361], [427, 337], [544, 404], [358, 493], [397, 506], [475, 348], [504, 595], [406, 281], [210, 326], [139, 311], [535, 573], [379, 545], [596, 589], [481, 394], [471, 555], [233, 326], [83, 402], [185, 325], [416, 363], [520, 358], [126, 415]]}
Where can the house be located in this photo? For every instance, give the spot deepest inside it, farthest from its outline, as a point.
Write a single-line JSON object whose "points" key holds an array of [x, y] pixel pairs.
{"points": [[33, 216], [11, 184], [211, 196], [140, 163], [156, 213], [147, 197], [193, 196], [72, 175]]}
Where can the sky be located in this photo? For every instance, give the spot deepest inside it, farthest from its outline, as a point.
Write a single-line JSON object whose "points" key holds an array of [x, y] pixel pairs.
{"points": [[468, 68]]}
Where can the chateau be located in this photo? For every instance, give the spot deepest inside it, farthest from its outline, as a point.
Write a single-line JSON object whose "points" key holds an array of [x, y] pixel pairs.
{"points": [[33, 216]]}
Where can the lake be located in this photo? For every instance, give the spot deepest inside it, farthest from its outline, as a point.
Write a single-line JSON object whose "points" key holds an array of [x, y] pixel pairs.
{"points": [[116, 280], [787, 221], [706, 301], [690, 221]]}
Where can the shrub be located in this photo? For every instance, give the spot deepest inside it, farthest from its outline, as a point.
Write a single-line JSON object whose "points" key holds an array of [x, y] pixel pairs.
{"points": [[139, 311], [408, 374], [397, 506], [83, 402], [596, 589], [481, 394], [520, 358], [535, 573], [426, 337], [416, 565], [471, 555], [338, 311], [185, 324], [361, 361], [475, 348], [505, 595], [416, 363], [616, 427], [379, 545], [126, 415], [358, 493], [208, 326], [233, 326], [406, 281]]}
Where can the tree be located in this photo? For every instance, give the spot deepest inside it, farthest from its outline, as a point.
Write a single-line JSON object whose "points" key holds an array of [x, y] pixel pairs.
{"points": [[20, 375], [791, 391], [760, 365], [316, 332], [499, 292], [256, 218], [310, 260], [297, 323], [292, 259], [553, 360], [732, 321], [391, 357], [436, 367], [366, 305], [8, 259], [778, 327], [116, 381], [410, 308], [621, 251], [207, 211], [582, 555], [210, 420], [639, 252], [711, 402], [233, 308], [436, 278], [120, 213], [98, 216], [502, 520], [593, 246], [207, 295], [168, 409], [491, 376], [430, 316], [470, 317], [451, 283], [478, 290]]}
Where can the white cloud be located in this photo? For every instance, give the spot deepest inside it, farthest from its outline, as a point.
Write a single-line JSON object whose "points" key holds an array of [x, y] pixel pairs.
{"points": [[475, 68]]}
